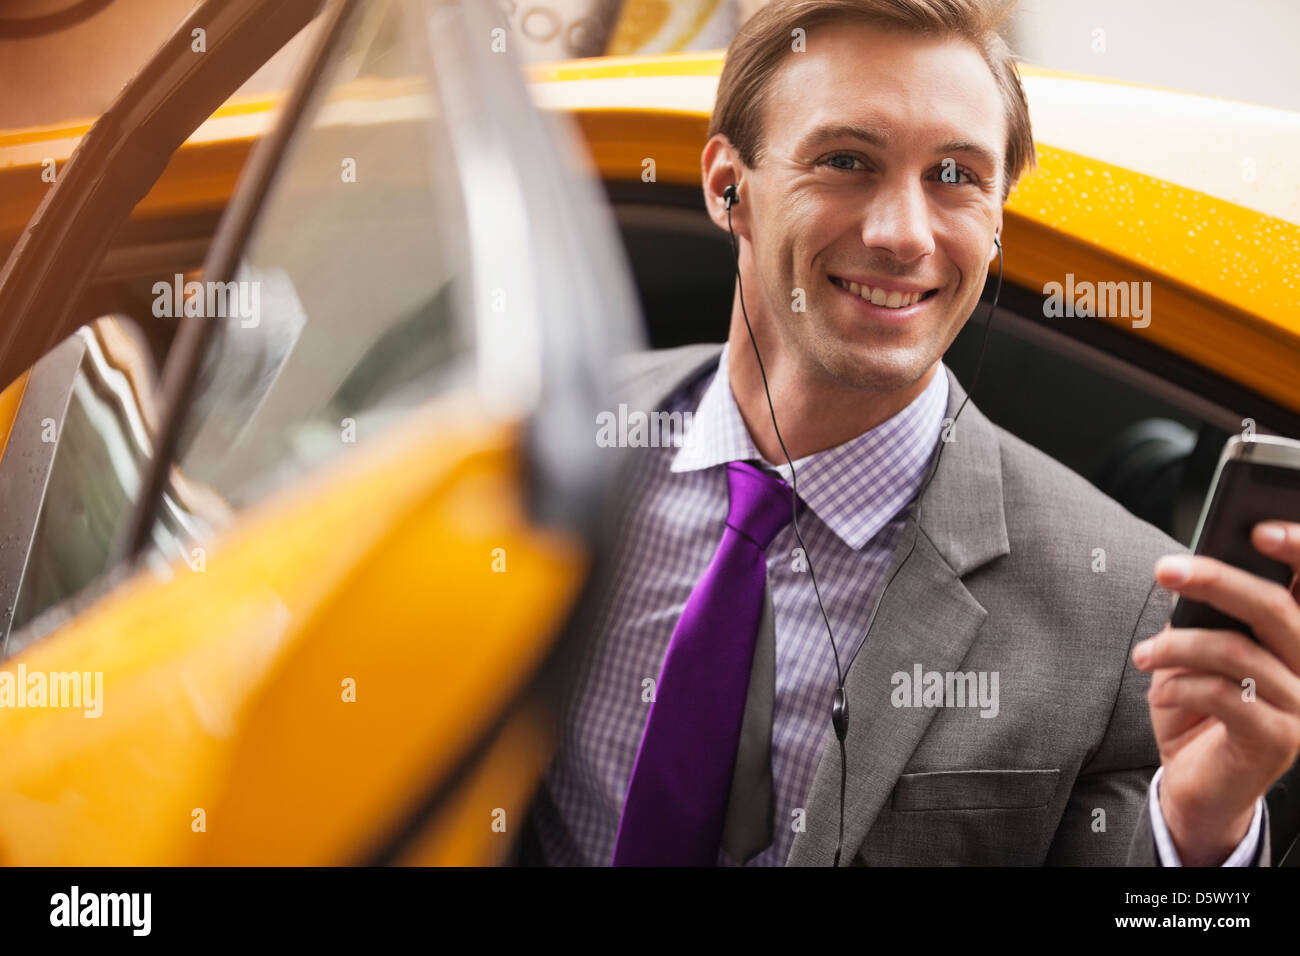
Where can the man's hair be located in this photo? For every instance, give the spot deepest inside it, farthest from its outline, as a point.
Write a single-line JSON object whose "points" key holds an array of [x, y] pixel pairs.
{"points": [[764, 41]]}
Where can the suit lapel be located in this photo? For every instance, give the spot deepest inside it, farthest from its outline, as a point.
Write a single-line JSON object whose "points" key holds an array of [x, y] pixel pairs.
{"points": [[646, 380], [926, 616]]}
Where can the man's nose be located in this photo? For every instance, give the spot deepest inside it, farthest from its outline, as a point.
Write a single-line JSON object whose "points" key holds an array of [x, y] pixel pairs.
{"points": [[897, 219]]}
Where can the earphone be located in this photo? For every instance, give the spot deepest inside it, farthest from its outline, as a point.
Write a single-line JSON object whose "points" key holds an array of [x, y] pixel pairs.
{"points": [[840, 702]]}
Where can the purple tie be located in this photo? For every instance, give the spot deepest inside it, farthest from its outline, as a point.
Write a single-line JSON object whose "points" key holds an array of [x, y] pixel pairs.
{"points": [[677, 798]]}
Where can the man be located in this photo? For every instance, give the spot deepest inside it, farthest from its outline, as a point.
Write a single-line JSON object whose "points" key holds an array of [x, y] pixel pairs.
{"points": [[993, 713]]}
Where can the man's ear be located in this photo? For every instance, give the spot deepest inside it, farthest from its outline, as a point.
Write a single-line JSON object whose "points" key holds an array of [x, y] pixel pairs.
{"points": [[720, 167], [997, 232]]}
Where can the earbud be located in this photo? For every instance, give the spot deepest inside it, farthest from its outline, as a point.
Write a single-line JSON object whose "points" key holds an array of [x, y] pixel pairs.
{"points": [[731, 195]]}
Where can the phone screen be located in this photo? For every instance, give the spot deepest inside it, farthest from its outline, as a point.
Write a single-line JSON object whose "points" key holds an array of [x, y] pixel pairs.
{"points": [[1245, 494]]}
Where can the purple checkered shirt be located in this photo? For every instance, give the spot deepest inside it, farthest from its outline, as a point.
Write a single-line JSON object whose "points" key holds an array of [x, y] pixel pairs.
{"points": [[856, 493]]}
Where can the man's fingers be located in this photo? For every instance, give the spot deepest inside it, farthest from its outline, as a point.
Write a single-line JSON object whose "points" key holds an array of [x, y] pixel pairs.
{"points": [[1278, 539], [1258, 727], [1270, 609], [1226, 653]]}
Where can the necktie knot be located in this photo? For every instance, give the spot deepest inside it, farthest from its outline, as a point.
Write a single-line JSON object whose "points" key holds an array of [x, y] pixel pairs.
{"points": [[760, 502]]}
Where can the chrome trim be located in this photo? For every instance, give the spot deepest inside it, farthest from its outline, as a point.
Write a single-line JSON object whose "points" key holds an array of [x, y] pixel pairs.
{"points": [[26, 466]]}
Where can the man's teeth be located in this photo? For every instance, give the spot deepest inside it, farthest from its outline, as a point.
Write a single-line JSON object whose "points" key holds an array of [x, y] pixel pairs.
{"points": [[890, 300]]}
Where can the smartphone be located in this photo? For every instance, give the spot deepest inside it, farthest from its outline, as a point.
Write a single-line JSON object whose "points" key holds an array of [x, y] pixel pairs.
{"points": [[1257, 479]]}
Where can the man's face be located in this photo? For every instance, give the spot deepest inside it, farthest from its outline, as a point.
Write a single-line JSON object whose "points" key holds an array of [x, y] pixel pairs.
{"points": [[851, 188]]}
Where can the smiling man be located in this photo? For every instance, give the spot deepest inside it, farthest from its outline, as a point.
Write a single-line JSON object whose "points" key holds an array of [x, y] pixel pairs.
{"points": [[939, 576]]}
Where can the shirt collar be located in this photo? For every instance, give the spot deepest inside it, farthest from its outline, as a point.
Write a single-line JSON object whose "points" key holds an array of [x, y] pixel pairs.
{"points": [[855, 488]]}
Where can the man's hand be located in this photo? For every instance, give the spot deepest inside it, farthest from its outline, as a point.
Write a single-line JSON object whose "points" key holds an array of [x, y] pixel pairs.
{"points": [[1225, 709]]}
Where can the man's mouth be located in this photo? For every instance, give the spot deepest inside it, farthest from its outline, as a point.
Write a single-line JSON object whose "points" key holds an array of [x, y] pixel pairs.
{"points": [[882, 297]]}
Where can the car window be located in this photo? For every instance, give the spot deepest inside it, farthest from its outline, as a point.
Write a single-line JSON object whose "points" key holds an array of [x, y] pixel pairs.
{"points": [[348, 308], [425, 231], [428, 231], [350, 303]]}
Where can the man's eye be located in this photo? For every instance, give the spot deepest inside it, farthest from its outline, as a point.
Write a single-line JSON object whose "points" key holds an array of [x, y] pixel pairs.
{"points": [[955, 175], [843, 161]]}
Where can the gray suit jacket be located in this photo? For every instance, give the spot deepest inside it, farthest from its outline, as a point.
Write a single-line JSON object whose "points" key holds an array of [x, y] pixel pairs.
{"points": [[1020, 568]]}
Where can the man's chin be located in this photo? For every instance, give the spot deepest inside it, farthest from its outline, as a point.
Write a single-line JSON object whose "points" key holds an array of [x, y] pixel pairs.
{"points": [[876, 369]]}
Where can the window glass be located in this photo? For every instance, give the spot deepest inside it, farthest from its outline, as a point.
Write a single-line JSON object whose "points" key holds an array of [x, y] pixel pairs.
{"points": [[350, 298]]}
